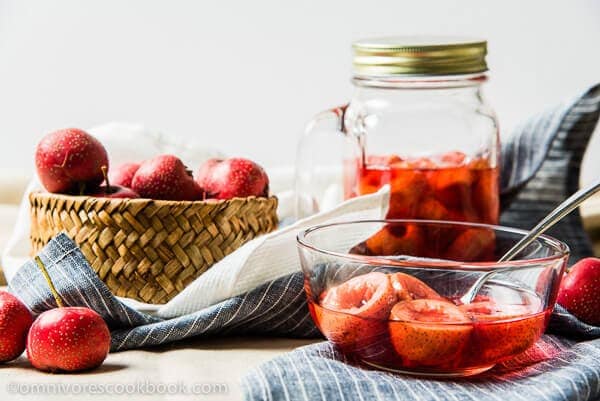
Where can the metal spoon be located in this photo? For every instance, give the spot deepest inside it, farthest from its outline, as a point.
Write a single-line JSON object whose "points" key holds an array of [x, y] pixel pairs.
{"points": [[552, 218]]}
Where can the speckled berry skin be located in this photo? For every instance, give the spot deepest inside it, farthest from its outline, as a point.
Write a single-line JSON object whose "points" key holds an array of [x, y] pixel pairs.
{"points": [[15, 320], [236, 177], [123, 174], [165, 177], [579, 291], [68, 159], [68, 339], [203, 174]]}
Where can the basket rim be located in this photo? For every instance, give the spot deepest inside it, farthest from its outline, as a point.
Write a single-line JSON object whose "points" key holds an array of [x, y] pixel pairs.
{"points": [[210, 201]]}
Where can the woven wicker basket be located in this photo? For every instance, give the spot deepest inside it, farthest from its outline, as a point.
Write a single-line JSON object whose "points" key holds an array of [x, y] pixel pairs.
{"points": [[145, 249]]}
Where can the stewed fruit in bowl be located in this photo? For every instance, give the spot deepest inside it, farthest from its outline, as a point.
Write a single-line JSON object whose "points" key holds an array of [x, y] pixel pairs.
{"points": [[397, 306]]}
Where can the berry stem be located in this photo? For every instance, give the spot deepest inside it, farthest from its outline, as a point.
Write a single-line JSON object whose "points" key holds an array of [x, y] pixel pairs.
{"points": [[105, 174], [42, 267]]}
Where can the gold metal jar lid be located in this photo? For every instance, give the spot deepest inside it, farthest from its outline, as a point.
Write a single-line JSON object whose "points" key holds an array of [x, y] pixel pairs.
{"points": [[419, 55]]}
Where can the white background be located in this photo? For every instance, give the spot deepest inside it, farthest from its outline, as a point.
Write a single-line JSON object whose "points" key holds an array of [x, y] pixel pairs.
{"points": [[245, 76]]}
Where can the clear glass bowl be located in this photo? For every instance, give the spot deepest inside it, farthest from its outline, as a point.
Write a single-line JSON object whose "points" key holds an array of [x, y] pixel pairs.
{"points": [[369, 297]]}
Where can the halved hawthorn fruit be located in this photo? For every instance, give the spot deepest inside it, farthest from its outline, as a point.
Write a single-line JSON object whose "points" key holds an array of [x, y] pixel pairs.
{"points": [[503, 330], [409, 188], [408, 288], [485, 197], [354, 314], [383, 161], [428, 331], [485, 309], [432, 209], [472, 245], [369, 295], [393, 239], [372, 179], [452, 159], [453, 186], [376, 173]]}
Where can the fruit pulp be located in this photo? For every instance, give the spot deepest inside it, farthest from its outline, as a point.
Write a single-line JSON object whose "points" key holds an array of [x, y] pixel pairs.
{"points": [[448, 339], [447, 187]]}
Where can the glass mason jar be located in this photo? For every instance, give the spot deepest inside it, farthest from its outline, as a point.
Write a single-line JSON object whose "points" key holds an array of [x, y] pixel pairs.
{"points": [[417, 121]]}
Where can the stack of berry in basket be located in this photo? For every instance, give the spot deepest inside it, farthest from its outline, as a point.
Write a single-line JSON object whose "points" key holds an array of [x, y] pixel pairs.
{"points": [[71, 161], [147, 228]]}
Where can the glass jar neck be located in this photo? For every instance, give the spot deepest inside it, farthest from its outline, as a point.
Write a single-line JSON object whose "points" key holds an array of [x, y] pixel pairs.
{"points": [[419, 82]]}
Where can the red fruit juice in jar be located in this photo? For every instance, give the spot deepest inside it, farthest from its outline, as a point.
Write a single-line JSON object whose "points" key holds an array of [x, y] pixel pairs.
{"points": [[448, 187]]}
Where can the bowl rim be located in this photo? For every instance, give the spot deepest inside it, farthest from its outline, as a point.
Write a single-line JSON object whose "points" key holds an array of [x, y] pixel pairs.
{"points": [[561, 248]]}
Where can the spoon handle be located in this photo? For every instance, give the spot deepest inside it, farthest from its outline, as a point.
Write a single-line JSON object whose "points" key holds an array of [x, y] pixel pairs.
{"points": [[555, 216]]}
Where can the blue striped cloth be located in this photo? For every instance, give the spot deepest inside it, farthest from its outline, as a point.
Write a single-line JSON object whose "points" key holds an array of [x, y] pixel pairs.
{"points": [[277, 308], [541, 165], [553, 369], [549, 149]]}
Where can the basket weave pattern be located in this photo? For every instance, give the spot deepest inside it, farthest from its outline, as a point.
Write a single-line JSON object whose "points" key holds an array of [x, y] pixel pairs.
{"points": [[149, 250]]}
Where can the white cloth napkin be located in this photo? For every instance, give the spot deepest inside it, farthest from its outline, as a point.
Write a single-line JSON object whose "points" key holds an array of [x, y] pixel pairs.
{"points": [[257, 262], [266, 258]]}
